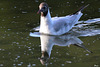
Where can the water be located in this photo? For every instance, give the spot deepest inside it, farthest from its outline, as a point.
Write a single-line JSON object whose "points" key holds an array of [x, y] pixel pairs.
{"points": [[18, 48]]}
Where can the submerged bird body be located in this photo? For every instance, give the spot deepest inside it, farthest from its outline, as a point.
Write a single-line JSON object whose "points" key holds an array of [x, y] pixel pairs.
{"points": [[56, 25]]}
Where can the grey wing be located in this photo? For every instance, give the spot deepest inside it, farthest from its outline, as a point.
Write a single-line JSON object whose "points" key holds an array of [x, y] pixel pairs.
{"points": [[64, 24], [60, 25]]}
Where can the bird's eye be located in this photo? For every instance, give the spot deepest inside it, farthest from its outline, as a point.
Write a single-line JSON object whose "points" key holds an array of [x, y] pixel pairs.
{"points": [[44, 7]]}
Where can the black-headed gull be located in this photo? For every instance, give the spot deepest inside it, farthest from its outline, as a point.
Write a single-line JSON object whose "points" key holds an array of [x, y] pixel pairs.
{"points": [[57, 25]]}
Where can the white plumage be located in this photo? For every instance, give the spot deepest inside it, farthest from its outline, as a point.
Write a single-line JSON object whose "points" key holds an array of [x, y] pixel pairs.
{"points": [[56, 25]]}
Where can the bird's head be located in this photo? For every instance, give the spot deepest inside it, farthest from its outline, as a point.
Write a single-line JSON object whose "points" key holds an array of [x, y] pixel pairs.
{"points": [[43, 9]]}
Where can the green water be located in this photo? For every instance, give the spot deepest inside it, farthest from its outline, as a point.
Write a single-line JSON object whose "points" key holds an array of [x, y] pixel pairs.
{"points": [[17, 48]]}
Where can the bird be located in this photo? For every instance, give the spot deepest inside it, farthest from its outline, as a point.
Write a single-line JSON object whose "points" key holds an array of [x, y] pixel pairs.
{"points": [[57, 25]]}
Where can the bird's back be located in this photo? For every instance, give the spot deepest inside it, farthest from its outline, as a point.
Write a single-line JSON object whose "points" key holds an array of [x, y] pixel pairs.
{"points": [[64, 24]]}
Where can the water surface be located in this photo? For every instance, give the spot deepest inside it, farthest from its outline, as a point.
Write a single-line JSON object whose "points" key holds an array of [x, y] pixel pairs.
{"points": [[18, 48]]}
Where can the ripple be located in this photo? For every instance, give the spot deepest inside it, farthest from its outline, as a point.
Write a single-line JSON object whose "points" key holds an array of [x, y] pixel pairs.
{"points": [[88, 28], [92, 20]]}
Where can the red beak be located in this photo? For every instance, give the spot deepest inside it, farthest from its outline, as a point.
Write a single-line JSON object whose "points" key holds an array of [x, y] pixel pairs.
{"points": [[39, 11]]}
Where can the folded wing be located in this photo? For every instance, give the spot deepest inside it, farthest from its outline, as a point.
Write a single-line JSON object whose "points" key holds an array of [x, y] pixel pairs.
{"points": [[64, 24]]}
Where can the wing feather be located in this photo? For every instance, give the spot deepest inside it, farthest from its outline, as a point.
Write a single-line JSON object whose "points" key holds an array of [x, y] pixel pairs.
{"points": [[64, 24]]}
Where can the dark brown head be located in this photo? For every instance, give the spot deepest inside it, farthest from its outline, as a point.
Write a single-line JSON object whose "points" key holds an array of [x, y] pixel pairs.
{"points": [[43, 9]]}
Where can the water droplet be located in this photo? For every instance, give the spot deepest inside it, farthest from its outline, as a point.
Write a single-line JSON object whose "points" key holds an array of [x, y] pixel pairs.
{"points": [[14, 17], [14, 64], [1, 64], [19, 64], [29, 49], [87, 54], [96, 65], [56, 52], [3, 20], [68, 62], [24, 12], [33, 64], [67, 53], [15, 7], [62, 64], [67, 2], [29, 65], [99, 9], [50, 63], [9, 29], [18, 56], [17, 43], [2, 8], [82, 1], [36, 1]]}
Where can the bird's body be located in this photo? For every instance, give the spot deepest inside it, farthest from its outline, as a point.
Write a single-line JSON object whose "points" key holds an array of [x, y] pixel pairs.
{"points": [[56, 25]]}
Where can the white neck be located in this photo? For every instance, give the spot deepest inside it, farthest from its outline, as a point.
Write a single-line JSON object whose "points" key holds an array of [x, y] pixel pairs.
{"points": [[46, 19], [45, 23]]}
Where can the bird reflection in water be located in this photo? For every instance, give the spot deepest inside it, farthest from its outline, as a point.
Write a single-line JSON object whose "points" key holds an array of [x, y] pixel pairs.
{"points": [[47, 42]]}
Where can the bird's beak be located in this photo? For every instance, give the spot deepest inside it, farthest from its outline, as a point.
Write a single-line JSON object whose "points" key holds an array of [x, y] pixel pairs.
{"points": [[40, 11]]}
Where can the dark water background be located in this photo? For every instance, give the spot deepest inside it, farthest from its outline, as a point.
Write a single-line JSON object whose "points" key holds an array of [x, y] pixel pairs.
{"points": [[17, 48]]}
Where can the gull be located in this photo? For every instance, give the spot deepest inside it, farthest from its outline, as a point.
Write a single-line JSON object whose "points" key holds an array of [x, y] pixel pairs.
{"points": [[57, 25]]}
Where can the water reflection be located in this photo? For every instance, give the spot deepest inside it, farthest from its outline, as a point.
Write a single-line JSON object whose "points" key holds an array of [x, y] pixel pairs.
{"points": [[81, 29], [47, 43]]}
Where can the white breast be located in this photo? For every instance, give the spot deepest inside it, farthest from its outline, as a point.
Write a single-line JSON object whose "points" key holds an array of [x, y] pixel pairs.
{"points": [[46, 24]]}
